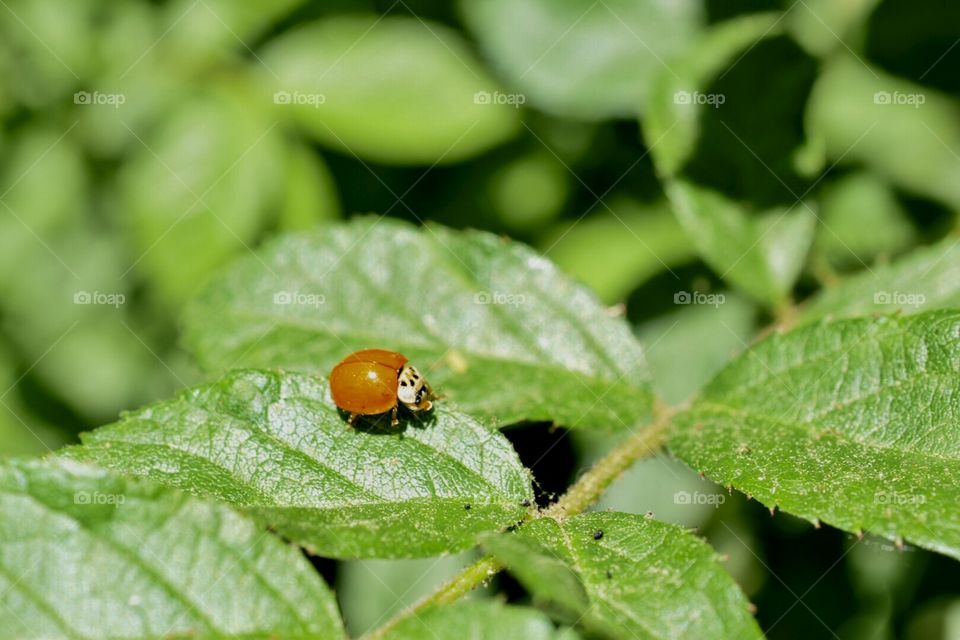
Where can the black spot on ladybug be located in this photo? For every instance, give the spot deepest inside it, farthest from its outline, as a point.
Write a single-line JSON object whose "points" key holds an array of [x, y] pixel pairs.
{"points": [[403, 383], [466, 507], [597, 534]]}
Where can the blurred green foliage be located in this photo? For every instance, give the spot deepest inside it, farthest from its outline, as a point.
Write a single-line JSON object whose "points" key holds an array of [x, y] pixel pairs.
{"points": [[146, 143]]}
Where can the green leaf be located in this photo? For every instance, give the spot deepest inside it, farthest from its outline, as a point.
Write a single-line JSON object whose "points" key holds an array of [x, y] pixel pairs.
{"points": [[495, 327], [850, 422], [638, 242], [30, 211], [86, 554], [824, 26], [671, 125], [529, 191], [681, 359], [853, 203], [50, 49], [198, 189], [310, 193], [923, 280], [480, 620], [549, 50], [762, 256], [21, 432], [73, 310], [395, 90], [274, 445], [861, 115], [201, 34], [626, 576]]}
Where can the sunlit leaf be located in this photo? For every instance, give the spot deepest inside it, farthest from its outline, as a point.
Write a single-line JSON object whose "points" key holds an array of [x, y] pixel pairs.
{"points": [[848, 422], [495, 327], [626, 576], [85, 554], [275, 445]]}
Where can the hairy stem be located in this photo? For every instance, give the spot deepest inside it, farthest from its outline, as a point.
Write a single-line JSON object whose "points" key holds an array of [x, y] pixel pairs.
{"points": [[578, 497], [594, 482]]}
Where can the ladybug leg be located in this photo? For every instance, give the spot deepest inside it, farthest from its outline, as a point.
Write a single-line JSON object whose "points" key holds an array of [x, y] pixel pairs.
{"points": [[352, 420], [393, 417]]}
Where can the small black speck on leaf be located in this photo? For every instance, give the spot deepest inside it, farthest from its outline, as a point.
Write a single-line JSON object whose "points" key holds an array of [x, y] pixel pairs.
{"points": [[609, 574], [525, 503], [466, 507], [597, 534]]}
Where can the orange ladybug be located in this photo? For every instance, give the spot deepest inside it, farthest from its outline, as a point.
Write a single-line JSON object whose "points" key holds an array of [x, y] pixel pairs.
{"points": [[375, 381]]}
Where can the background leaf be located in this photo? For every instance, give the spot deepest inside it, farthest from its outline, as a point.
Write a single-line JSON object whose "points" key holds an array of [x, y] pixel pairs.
{"points": [[480, 620], [671, 124], [925, 279], [640, 241], [87, 554], [396, 90], [273, 444], [199, 189], [549, 51], [850, 205], [371, 592], [681, 365], [823, 26], [627, 576], [762, 256], [861, 114], [495, 327], [849, 422]]}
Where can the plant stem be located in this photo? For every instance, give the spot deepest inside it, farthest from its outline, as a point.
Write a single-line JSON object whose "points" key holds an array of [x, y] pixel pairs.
{"points": [[578, 497], [594, 482]]}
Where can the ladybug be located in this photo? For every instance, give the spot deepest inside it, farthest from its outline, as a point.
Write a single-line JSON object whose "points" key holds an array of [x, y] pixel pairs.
{"points": [[375, 381]]}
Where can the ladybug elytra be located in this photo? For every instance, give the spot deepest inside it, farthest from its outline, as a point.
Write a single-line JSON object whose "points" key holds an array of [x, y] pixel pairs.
{"points": [[375, 381]]}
